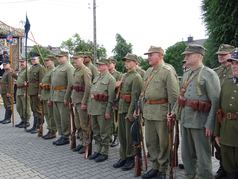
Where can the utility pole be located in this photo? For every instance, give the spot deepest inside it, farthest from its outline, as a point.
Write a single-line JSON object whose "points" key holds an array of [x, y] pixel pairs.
{"points": [[94, 32]]}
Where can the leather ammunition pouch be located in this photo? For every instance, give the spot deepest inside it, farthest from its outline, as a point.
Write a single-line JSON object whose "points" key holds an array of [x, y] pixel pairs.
{"points": [[126, 97], [100, 97], [78, 88], [196, 105], [44, 86]]}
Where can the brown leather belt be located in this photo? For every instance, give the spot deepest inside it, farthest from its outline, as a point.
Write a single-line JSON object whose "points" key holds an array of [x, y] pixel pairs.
{"points": [[100, 97], [59, 88], [231, 116], [126, 97], [161, 101]]}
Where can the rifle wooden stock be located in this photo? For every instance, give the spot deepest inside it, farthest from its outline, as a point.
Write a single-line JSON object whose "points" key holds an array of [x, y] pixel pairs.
{"points": [[72, 128], [88, 148], [138, 161]]}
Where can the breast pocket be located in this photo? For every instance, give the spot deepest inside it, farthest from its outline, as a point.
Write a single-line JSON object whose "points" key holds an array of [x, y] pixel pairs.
{"points": [[103, 86]]}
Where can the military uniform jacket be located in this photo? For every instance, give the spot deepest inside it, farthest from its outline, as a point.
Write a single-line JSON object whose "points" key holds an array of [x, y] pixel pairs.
{"points": [[163, 85], [6, 83], [81, 85], [205, 86], [36, 73], [21, 78], [46, 80], [228, 129], [131, 85], [223, 72], [93, 69], [62, 76], [102, 84], [141, 72], [117, 75]]}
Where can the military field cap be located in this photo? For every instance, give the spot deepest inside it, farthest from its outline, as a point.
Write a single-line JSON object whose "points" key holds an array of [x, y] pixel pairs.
{"points": [[6, 61], [62, 54], [88, 54], [194, 48], [50, 57], [225, 49], [154, 49], [34, 55], [132, 57], [78, 55], [234, 56], [112, 60], [103, 61]]}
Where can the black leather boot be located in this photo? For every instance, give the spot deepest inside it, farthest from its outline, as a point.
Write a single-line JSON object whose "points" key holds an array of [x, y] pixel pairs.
{"points": [[34, 129], [8, 115]]}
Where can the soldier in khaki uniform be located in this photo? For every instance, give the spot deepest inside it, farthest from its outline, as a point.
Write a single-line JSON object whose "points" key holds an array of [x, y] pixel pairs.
{"points": [[227, 121], [160, 91], [196, 107], [117, 75], [130, 90], [100, 108], [45, 98], [22, 101], [36, 73], [223, 71], [82, 81], [7, 91], [88, 62], [61, 83]]}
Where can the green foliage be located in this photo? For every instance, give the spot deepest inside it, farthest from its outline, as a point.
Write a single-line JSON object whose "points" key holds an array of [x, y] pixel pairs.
{"points": [[220, 17], [144, 63], [173, 56], [43, 52], [120, 51], [76, 44]]}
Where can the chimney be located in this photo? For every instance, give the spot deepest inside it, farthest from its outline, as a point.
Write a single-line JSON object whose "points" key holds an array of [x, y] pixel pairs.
{"points": [[190, 39]]}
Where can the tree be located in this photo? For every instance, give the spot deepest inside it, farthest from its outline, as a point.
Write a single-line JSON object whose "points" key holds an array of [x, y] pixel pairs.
{"points": [[76, 44], [120, 51], [173, 56], [220, 17], [42, 51]]}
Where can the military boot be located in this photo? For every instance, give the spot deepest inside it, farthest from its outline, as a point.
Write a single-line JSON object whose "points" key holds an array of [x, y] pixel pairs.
{"points": [[8, 115], [130, 163], [50, 135], [33, 129]]}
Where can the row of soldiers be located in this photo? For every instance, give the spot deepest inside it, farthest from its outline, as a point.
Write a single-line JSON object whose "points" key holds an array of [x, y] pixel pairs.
{"points": [[103, 97]]}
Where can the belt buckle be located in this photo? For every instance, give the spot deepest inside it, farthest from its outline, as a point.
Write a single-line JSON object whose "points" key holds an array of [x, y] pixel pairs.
{"points": [[228, 115]]}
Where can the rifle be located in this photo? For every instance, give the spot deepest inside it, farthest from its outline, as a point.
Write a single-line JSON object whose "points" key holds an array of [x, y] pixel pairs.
{"points": [[72, 128], [40, 129], [138, 142], [88, 147], [173, 144]]}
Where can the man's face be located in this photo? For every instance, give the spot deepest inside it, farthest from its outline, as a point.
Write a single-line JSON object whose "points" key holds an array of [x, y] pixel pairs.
{"points": [[234, 67], [22, 64], [48, 63], [154, 58], [111, 66], [6, 66], [102, 67], [62, 59], [130, 64], [78, 61], [222, 58], [191, 59], [87, 59], [35, 60]]}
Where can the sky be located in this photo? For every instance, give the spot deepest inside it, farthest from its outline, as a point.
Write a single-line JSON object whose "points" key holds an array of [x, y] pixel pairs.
{"points": [[141, 22]]}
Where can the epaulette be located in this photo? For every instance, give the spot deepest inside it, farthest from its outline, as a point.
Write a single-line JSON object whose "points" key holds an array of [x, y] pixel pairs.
{"points": [[167, 67]]}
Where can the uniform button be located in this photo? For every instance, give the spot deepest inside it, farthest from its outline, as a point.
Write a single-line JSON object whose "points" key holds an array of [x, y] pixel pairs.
{"points": [[235, 91], [232, 97], [224, 75], [230, 104]]}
